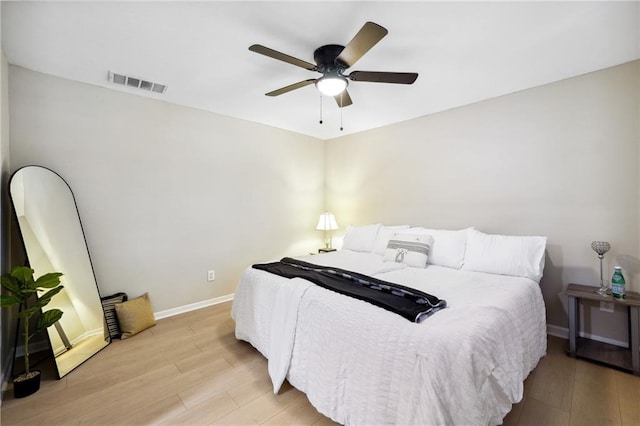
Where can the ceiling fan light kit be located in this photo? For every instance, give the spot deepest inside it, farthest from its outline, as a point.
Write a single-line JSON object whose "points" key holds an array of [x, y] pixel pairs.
{"points": [[333, 59], [331, 85]]}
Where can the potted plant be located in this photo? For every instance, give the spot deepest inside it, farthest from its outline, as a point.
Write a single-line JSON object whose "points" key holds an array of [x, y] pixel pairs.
{"points": [[22, 287]]}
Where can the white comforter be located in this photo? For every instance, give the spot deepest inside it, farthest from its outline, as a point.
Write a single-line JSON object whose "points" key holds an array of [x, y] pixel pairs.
{"points": [[360, 364]]}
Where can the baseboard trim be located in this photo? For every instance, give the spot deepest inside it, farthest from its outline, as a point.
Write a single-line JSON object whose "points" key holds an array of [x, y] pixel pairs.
{"points": [[563, 333], [34, 347], [192, 307], [557, 331]]}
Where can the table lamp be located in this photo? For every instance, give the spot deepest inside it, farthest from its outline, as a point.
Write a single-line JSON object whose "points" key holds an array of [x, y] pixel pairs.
{"points": [[327, 222]]}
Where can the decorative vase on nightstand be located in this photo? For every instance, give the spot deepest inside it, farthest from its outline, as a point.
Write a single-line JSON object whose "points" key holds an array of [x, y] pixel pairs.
{"points": [[601, 247]]}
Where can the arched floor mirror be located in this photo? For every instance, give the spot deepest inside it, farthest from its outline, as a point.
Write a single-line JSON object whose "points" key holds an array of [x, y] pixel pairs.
{"points": [[54, 240]]}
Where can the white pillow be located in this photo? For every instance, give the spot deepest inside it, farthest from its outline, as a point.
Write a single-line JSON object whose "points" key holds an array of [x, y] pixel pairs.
{"points": [[448, 246], [360, 238], [384, 235], [505, 254], [410, 249]]}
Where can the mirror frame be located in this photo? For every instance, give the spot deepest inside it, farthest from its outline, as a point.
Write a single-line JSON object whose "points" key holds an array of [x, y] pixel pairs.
{"points": [[106, 336]]}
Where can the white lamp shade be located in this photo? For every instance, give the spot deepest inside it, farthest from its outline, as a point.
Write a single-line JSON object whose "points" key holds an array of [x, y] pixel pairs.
{"points": [[327, 222]]}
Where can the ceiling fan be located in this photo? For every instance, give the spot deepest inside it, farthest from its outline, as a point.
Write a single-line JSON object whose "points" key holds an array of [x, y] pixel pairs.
{"points": [[333, 59]]}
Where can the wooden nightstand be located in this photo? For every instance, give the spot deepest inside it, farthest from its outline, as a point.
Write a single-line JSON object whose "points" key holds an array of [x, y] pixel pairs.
{"points": [[625, 359], [326, 250]]}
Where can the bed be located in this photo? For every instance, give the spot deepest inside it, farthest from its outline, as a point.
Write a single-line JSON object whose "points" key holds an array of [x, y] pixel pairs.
{"points": [[360, 364]]}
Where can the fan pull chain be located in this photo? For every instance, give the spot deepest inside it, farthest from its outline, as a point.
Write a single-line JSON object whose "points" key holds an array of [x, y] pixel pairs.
{"points": [[320, 108], [341, 108]]}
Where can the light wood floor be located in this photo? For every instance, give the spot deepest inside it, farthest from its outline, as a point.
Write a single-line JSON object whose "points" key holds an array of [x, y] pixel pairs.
{"points": [[190, 369]]}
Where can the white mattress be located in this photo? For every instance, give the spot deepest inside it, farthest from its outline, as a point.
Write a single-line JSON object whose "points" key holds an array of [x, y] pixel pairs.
{"points": [[360, 364]]}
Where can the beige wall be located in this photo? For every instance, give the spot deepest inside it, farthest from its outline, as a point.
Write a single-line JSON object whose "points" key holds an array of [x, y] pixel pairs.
{"points": [[165, 192], [561, 160]]}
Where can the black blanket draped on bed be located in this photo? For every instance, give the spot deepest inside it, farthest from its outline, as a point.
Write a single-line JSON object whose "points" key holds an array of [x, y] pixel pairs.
{"points": [[409, 303]]}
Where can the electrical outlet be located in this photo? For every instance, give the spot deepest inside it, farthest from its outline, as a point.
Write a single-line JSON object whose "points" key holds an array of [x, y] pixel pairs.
{"points": [[606, 306], [211, 275]]}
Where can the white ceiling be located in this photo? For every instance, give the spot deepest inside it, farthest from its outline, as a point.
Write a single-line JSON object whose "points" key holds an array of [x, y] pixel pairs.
{"points": [[464, 52]]}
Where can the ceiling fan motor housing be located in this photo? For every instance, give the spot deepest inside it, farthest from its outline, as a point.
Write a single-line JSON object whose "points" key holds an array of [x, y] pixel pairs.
{"points": [[325, 58]]}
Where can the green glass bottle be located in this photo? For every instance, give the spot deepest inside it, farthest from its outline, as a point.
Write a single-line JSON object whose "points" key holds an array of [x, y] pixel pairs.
{"points": [[617, 283]]}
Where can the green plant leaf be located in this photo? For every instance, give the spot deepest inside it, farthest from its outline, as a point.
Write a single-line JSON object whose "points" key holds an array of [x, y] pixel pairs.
{"points": [[10, 284], [46, 298], [47, 319], [22, 274], [9, 300], [49, 280]]}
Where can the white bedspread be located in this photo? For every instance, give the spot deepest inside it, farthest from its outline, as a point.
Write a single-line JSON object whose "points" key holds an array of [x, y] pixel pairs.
{"points": [[360, 364]]}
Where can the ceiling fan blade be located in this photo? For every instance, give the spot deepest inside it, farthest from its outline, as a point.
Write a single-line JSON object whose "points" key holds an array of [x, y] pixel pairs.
{"points": [[291, 87], [343, 99], [384, 77], [258, 48], [367, 37]]}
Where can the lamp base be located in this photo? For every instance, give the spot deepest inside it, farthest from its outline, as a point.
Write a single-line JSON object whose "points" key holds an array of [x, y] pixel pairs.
{"points": [[603, 290], [326, 250]]}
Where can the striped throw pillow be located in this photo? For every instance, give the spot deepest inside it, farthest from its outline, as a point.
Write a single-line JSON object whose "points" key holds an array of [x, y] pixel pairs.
{"points": [[109, 307]]}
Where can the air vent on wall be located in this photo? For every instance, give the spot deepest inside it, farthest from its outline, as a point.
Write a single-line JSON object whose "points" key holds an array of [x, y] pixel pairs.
{"points": [[139, 83]]}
